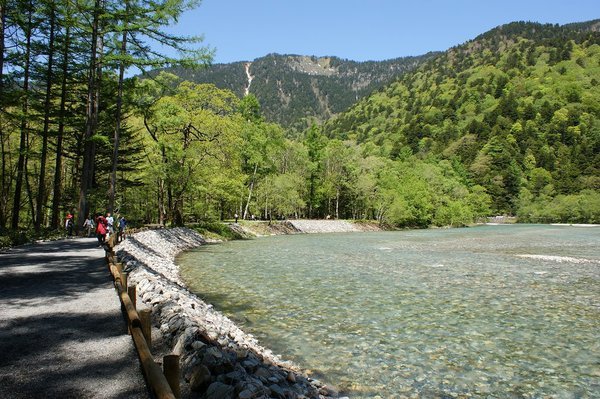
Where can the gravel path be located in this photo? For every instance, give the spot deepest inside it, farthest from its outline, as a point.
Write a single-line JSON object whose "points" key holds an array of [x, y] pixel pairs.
{"points": [[62, 333]]}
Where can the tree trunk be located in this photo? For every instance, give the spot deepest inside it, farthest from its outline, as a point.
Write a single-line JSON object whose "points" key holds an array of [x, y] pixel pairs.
{"points": [[4, 187], [266, 207], [57, 186], [29, 191], [311, 195], [115, 158], [250, 192], [41, 197], [161, 201], [6, 183], [4, 178], [91, 119], [337, 204], [24, 124], [169, 207], [178, 211]]}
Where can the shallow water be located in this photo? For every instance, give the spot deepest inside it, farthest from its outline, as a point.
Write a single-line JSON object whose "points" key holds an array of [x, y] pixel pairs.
{"points": [[491, 311]]}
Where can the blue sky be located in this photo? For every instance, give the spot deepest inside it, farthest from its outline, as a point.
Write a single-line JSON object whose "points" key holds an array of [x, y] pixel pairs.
{"points": [[242, 30]]}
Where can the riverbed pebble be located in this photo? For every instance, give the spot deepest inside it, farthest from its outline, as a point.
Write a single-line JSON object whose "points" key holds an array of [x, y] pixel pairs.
{"points": [[218, 360]]}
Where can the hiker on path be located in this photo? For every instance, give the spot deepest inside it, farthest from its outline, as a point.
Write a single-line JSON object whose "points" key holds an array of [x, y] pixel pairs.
{"points": [[69, 225], [110, 222], [88, 225], [101, 229], [122, 225]]}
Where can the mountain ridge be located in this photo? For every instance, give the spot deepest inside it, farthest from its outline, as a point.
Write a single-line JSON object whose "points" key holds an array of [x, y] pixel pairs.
{"points": [[295, 90], [515, 110]]}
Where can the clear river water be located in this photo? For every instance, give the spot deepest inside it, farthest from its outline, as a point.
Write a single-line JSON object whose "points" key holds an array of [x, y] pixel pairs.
{"points": [[509, 311]]}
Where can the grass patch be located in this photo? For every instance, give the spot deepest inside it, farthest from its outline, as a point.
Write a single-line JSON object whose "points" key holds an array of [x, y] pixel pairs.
{"points": [[216, 231]]}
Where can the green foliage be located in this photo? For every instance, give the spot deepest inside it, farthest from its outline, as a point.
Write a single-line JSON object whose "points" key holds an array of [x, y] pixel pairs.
{"points": [[14, 238], [282, 194], [65, 102], [194, 131], [250, 109], [583, 207], [505, 124], [517, 108], [11, 238], [417, 193]]}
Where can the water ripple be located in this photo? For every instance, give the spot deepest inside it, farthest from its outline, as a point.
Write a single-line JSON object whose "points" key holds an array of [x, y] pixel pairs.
{"points": [[492, 312]]}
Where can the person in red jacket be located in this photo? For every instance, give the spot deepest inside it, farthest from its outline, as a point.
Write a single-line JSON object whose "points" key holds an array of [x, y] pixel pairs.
{"points": [[101, 229]]}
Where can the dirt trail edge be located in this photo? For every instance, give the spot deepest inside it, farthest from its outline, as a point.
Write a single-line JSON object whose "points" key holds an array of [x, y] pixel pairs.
{"points": [[62, 334]]}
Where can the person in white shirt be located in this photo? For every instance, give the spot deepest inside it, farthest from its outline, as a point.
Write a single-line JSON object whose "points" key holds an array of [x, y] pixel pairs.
{"points": [[110, 220]]}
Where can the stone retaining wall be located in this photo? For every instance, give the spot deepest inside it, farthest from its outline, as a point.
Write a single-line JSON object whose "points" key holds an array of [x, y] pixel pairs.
{"points": [[324, 226], [297, 226], [218, 360]]}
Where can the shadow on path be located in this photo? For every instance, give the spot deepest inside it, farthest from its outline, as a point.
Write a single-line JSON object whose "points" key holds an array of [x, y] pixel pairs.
{"points": [[62, 334]]}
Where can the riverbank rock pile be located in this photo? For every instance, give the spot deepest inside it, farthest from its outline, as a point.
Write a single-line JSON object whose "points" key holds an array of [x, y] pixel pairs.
{"points": [[248, 229], [326, 226], [218, 360], [261, 228]]}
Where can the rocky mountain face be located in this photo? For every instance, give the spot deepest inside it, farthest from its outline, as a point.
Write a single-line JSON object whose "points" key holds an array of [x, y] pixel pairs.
{"points": [[294, 90]]}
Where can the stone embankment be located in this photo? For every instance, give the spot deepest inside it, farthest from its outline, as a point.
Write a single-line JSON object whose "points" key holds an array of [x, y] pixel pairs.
{"points": [[332, 226], [252, 229], [218, 360]]}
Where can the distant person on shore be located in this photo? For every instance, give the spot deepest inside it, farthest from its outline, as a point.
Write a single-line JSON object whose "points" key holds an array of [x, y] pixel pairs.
{"points": [[88, 225], [101, 229], [69, 225], [236, 217], [122, 225]]}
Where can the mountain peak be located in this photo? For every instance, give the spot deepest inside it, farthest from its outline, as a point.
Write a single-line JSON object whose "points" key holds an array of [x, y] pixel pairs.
{"points": [[295, 89]]}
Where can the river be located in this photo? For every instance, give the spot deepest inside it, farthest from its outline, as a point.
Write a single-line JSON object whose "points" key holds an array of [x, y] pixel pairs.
{"points": [[491, 311]]}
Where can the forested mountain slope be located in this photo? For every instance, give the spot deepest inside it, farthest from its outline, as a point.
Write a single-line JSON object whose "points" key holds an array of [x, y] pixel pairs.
{"points": [[516, 110], [292, 89]]}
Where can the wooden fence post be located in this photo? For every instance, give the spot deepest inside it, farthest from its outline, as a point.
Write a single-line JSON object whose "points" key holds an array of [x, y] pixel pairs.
{"points": [[146, 320], [171, 372], [156, 379], [131, 291], [124, 280], [140, 327]]}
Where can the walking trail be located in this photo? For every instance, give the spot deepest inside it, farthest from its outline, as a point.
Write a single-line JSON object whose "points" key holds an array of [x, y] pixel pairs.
{"points": [[62, 333]]}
